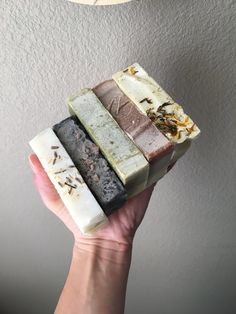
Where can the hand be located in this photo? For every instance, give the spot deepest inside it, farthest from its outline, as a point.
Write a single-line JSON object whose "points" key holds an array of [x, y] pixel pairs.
{"points": [[122, 225]]}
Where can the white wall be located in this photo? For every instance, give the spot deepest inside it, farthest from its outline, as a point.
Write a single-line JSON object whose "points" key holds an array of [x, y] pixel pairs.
{"points": [[185, 251]]}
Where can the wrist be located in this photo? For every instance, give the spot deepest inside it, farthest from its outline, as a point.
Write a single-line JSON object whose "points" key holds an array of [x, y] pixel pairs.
{"points": [[107, 250]]}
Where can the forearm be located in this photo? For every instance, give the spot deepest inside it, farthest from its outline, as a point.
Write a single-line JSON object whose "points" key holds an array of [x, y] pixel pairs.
{"points": [[97, 278]]}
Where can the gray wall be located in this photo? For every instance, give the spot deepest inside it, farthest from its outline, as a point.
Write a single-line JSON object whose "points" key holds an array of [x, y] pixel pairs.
{"points": [[185, 251]]}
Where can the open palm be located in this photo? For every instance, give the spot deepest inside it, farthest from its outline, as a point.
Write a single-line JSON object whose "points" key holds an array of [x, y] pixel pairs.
{"points": [[122, 224]]}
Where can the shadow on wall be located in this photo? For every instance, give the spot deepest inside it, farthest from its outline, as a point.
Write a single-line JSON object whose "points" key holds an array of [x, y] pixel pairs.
{"points": [[197, 83]]}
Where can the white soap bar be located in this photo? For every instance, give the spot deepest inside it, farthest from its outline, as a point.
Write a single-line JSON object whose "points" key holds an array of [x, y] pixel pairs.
{"points": [[75, 194], [122, 154], [153, 101], [141, 88]]}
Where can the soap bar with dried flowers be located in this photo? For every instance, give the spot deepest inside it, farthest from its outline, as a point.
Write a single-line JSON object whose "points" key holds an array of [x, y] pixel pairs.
{"points": [[80, 202], [100, 178], [123, 155], [153, 101], [154, 145]]}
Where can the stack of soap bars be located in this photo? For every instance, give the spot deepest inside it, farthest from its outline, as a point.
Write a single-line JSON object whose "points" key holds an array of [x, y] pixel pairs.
{"points": [[121, 137]]}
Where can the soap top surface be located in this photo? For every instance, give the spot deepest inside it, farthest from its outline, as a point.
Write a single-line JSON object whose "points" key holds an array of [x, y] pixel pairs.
{"points": [[122, 154], [101, 179], [153, 101], [74, 192], [134, 122]]}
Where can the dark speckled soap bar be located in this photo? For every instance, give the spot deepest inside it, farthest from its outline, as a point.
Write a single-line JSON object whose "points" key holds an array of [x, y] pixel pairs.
{"points": [[95, 170]]}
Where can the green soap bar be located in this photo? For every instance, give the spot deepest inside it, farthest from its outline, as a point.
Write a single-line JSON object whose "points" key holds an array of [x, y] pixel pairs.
{"points": [[122, 154]]}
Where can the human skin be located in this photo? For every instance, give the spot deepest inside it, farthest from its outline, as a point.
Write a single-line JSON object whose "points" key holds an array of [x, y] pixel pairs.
{"points": [[100, 265]]}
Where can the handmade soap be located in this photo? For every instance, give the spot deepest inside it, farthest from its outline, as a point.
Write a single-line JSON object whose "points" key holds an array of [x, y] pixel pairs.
{"points": [[80, 202], [95, 170], [153, 101], [155, 146], [122, 154]]}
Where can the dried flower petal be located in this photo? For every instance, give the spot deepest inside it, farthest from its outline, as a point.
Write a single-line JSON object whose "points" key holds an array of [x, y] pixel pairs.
{"points": [[132, 70]]}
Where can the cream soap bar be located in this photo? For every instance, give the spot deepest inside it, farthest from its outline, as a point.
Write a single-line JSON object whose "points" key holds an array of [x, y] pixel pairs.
{"points": [[80, 202], [122, 154], [153, 101]]}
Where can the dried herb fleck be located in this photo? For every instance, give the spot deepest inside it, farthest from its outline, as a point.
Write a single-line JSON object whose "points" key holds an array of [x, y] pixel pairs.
{"points": [[70, 185], [148, 100], [68, 179], [61, 171], [78, 179], [163, 106], [56, 156]]}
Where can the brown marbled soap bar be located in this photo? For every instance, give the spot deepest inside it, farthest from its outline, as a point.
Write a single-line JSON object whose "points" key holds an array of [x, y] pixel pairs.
{"points": [[154, 145]]}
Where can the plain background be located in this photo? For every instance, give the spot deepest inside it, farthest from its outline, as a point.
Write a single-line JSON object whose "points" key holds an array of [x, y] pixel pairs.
{"points": [[184, 255]]}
